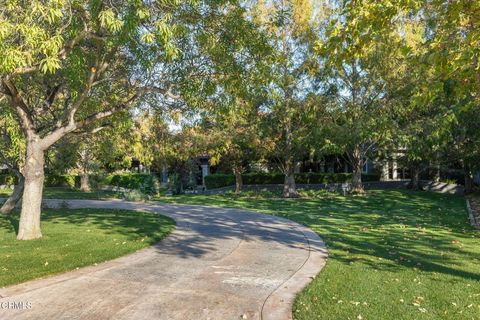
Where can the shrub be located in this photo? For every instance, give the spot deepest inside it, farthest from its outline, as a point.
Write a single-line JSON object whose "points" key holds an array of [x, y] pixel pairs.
{"points": [[320, 177], [59, 180], [367, 177], [93, 179], [146, 183], [449, 181], [219, 180], [134, 195], [222, 180], [263, 178], [8, 179]]}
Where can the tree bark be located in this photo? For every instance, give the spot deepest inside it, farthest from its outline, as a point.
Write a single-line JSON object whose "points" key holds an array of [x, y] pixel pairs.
{"points": [[357, 164], [289, 187], [16, 195], [436, 173], [414, 183], [468, 180], [385, 174], [82, 165], [238, 180], [84, 182], [29, 226]]}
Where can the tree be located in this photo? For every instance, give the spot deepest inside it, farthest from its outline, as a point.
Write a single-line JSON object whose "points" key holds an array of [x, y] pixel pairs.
{"points": [[357, 77], [453, 42], [290, 28], [68, 65], [233, 138], [12, 147], [444, 58]]}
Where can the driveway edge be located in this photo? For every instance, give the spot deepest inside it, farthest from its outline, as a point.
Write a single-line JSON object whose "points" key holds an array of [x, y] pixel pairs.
{"points": [[279, 305]]}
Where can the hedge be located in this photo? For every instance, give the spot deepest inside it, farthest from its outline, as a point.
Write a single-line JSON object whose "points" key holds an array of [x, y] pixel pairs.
{"points": [[223, 180], [146, 183], [51, 180], [218, 180]]}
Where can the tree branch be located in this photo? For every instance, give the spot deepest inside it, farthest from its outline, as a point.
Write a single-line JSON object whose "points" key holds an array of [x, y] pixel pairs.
{"points": [[58, 133], [25, 116]]}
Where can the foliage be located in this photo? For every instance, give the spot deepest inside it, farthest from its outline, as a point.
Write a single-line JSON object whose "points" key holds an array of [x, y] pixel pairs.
{"points": [[222, 180], [292, 110], [60, 180], [146, 183], [7, 179], [69, 193], [218, 180]]}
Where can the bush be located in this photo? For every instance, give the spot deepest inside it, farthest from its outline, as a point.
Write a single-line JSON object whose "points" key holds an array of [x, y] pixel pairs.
{"points": [[134, 195], [320, 177], [219, 180], [60, 180], [94, 180], [453, 176], [146, 183], [368, 177], [222, 180], [263, 178], [8, 179]]}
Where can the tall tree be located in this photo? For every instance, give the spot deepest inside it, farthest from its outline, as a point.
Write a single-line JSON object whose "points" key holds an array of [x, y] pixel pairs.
{"points": [[234, 138], [290, 27], [357, 76], [67, 65], [445, 66]]}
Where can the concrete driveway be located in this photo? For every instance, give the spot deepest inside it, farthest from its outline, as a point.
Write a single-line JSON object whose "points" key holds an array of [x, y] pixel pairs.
{"points": [[218, 264]]}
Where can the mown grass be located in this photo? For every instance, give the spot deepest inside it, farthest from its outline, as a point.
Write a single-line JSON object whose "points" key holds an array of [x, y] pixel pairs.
{"points": [[75, 238], [393, 254]]}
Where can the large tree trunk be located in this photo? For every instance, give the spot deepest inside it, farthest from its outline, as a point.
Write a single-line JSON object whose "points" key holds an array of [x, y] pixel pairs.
{"points": [[385, 174], [357, 164], [84, 182], [238, 180], [82, 165], [29, 227], [289, 187], [468, 180], [436, 173], [16, 195], [414, 183]]}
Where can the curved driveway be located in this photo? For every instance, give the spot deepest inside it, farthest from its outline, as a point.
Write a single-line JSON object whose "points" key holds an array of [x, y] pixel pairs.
{"points": [[217, 264]]}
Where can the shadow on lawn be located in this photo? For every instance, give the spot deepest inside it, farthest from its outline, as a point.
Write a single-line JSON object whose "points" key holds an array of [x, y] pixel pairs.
{"points": [[404, 229], [412, 230], [134, 226], [198, 228], [9, 222], [386, 230]]}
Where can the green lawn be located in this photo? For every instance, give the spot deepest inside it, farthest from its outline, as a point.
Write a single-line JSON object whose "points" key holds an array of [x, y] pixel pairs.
{"points": [[67, 193], [76, 238], [392, 254]]}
